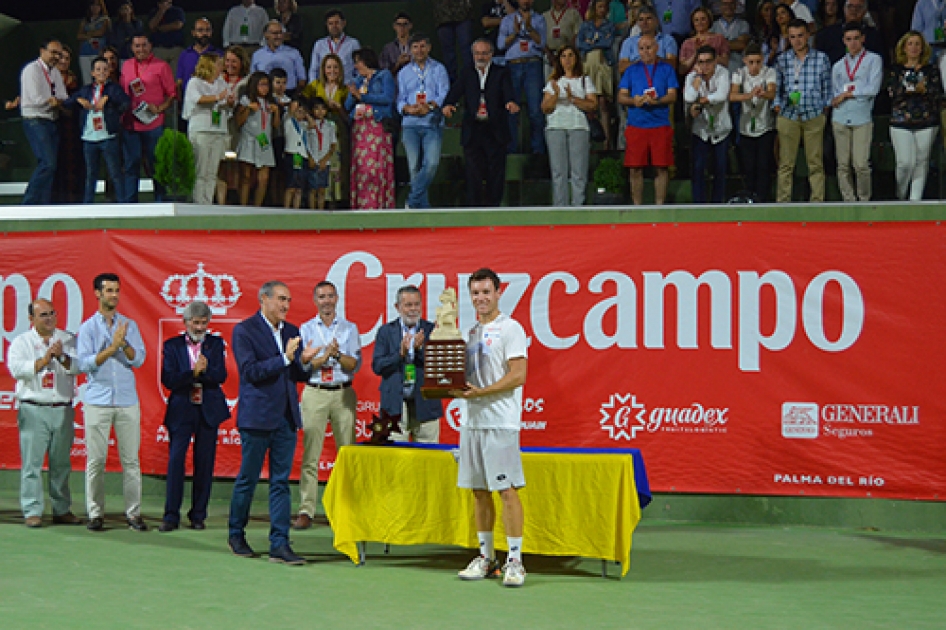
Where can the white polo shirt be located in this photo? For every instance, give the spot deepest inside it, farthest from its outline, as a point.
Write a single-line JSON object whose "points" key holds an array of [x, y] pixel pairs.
{"points": [[488, 351]]}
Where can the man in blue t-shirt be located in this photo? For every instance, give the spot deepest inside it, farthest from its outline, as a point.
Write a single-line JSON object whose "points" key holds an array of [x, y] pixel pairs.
{"points": [[648, 89]]}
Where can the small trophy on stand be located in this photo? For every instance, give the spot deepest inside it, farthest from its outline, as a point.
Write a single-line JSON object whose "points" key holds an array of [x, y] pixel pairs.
{"points": [[444, 352], [382, 426]]}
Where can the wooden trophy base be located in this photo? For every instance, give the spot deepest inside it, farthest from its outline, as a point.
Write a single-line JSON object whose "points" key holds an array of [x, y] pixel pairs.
{"points": [[444, 368]]}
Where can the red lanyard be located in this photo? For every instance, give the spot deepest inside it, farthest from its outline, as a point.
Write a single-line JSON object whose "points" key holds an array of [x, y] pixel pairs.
{"points": [[262, 111], [560, 15], [650, 78], [49, 80], [318, 133], [332, 48], [850, 75], [97, 95]]}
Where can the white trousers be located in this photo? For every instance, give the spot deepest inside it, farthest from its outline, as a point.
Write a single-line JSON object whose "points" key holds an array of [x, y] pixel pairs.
{"points": [[912, 148]]}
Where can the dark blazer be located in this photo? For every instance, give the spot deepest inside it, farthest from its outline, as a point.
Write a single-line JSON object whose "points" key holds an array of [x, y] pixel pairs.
{"points": [[387, 363], [498, 92], [177, 376], [115, 106], [267, 384]]}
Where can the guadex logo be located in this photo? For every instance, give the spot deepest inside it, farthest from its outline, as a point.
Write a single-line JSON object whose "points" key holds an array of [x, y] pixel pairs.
{"points": [[799, 420], [623, 416], [843, 420], [220, 292]]}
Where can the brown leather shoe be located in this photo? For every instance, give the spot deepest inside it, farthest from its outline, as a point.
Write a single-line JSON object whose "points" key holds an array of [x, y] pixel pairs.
{"points": [[66, 519], [33, 521], [303, 521]]}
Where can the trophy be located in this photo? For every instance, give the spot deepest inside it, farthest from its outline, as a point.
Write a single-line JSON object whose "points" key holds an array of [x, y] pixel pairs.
{"points": [[444, 352], [382, 426]]}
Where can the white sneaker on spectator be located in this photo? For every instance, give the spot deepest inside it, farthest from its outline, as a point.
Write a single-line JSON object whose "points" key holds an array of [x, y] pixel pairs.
{"points": [[480, 568], [514, 574]]}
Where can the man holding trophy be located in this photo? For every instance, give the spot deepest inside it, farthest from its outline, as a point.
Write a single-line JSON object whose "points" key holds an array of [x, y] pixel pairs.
{"points": [[490, 460]]}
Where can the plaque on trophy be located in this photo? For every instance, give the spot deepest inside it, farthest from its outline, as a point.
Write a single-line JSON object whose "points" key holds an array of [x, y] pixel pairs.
{"points": [[444, 352]]}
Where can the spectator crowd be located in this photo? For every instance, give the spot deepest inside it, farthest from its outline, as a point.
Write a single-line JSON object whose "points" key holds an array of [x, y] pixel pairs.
{"points": [[751, 84]]}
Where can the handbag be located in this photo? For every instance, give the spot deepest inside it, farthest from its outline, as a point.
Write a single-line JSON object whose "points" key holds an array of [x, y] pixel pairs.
{"points": [[595, 128]]}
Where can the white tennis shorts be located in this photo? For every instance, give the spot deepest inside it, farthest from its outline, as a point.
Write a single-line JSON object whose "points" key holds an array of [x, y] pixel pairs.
{"points": [[490, 460]]}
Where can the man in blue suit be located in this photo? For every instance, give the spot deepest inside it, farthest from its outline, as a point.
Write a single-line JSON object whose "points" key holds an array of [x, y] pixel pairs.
{"points": [[399, 360], [265, 346], [193, 369]]}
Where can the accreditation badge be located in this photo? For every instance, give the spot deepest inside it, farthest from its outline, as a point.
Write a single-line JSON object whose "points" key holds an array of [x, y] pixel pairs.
{"points": [[422, 98], [48, 380], [297, 160], [263, 141], [481, 113], [326, 374], [197, 394], [524, 45], [410, 374], [98, 121], [137, 87], [556, 32], [215, 118]]}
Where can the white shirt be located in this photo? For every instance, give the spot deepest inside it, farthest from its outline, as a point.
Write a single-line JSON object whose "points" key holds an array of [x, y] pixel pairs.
{"points": [[714, 123], [319, 149], [36, 90], [566, 114], [488, 351], [344, 48], [295, 133], [801, 11], [200, 117], [253, 18], [21, 360], [759, 109], [349, 344]]}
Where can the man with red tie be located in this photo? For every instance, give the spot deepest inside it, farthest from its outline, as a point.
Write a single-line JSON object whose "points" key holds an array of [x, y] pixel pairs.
{"points": [[193, 368]]}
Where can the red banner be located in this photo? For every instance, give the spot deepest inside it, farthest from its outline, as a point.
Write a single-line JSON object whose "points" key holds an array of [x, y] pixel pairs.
{"points": [[755, 358]]}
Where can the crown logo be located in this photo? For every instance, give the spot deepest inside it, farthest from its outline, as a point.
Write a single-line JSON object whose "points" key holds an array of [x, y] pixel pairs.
{"points": [[180, 290]]}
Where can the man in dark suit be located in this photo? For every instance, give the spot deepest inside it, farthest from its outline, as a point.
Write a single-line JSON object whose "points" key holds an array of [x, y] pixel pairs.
{"points": [[399, 360], [193, 369], [265, 347], [488, 97]]}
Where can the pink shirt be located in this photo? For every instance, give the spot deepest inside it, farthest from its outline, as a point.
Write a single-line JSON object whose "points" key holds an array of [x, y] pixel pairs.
{"points": [[155, 77]]}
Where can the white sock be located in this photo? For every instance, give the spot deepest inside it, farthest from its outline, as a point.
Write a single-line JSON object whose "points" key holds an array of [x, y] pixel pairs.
{"points": [[515, 548], [486, 545]]}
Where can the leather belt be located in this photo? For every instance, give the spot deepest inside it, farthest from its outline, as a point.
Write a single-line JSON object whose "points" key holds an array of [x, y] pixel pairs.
{"points": [[39, 404], [335, 387]]}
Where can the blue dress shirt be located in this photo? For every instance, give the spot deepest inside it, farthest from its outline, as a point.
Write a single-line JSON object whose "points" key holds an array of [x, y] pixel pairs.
{"points": [[111, 384], [433, 81]]}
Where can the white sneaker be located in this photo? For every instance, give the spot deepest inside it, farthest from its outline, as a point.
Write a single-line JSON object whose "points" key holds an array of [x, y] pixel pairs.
{"points": [[479, 568], [514, 574]]}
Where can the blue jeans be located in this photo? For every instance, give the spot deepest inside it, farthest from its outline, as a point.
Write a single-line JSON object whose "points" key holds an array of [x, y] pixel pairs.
{"points": [[281, 446], [527, 81], [112, 150], [701, 154], [43, 136], [452, 35], [422, 146], [139, 146]]}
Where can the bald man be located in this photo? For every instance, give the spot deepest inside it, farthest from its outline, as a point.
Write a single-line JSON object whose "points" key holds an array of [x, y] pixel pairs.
{"points": [[43, 362]]}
